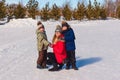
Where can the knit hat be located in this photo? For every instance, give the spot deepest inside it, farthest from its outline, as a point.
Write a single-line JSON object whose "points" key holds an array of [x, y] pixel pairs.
{"points": [[66, 24], [41, 26], [39, 23], [58, 28]]}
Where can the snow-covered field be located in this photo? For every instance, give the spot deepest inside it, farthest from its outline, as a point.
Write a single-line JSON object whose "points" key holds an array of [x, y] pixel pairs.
{"points": [[97, 54]]}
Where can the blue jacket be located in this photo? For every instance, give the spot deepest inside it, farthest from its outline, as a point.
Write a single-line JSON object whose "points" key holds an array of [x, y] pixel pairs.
{"points": [[69, 39]]}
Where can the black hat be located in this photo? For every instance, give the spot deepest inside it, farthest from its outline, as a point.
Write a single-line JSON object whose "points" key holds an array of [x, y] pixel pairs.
{"points": [[39, 23], [65, 24], [41, 26]]}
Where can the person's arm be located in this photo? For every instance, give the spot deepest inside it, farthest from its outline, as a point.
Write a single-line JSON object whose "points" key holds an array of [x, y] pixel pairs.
{"points": [[43, 40], [46, 42], [40, 38], [70, 36]]}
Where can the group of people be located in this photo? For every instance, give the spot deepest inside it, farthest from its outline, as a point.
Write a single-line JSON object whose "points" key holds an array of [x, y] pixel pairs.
{"points": [[63, 45]]}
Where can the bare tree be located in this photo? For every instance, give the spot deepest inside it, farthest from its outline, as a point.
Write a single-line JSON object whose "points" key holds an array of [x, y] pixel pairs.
{"points": [[110, 7], [117, 3]]}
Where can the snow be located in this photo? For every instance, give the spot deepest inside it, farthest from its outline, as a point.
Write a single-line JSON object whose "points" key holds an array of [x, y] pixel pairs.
{"points": [[3, 21], [97, 54]]}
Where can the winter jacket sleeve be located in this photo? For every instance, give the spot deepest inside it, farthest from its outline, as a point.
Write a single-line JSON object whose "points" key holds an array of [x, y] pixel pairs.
{"points": [[41, 39], [46, 42]]}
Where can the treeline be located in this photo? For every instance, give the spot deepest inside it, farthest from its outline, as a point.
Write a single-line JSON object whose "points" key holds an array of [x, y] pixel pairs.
{"points": [[88, 11]]}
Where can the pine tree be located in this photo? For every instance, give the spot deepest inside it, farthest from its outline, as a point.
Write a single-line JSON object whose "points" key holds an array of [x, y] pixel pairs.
{"points": [[2, 9], [118, 12], [11, 10], [45, 12], [55, 12], [89, 11], [75, 14], [103, 13], [96, 10], [67, 13], [80, 11], [20, 11], [32, 7]]}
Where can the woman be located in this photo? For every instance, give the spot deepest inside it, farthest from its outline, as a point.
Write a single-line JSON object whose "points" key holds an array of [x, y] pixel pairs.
{"points": [[58, 45]]}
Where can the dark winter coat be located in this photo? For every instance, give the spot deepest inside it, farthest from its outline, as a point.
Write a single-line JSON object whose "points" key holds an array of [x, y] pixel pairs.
{"points": [[69, 39]]}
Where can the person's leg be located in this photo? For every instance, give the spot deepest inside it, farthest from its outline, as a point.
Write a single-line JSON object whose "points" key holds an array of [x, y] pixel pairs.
{"points": [[52, 59], [73, 60], [40, 59], [44, 59], [68, 60], [49, 58]]}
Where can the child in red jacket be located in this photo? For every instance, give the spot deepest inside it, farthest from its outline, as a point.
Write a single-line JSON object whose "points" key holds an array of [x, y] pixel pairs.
{"points": [[58, 45]]}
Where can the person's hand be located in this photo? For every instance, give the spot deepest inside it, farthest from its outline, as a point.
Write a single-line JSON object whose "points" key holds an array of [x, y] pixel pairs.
{"points": [[50, 45]]}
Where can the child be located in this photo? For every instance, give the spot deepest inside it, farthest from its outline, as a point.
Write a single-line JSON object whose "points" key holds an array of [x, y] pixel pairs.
{"points": [[70, 45], [58, 45], [42, 44]]}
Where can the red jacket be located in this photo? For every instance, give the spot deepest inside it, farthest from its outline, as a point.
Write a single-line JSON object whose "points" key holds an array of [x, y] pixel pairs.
{"points": [[60, 51]]}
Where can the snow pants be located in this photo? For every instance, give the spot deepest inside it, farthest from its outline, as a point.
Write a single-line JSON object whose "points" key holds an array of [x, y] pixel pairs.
{"points": [[52, 60], [42, 58], [71, 60]]}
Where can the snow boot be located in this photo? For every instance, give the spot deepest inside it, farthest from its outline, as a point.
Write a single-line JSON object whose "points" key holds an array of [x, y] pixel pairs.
{"points": [[44, 67], [60, 66], [74, 67], [39, 66], [54, 69], [67, 66]]}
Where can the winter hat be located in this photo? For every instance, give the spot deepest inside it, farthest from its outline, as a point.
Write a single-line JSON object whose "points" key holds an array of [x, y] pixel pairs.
{"points": [[58, 28], [39, 23], [66, 24], [41, 26]]}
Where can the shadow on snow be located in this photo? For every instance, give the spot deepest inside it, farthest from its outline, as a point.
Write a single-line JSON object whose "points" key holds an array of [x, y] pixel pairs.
{"points": [[87, 61]]}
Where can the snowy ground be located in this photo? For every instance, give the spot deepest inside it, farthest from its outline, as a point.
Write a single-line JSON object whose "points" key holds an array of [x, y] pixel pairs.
{"points": [[97, 54]]}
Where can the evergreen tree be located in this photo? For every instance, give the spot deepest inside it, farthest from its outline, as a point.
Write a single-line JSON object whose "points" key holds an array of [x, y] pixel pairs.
{"points": [[45, 12], [11, 10], [75, 15], [55, 12], [80, 11], [89, 11], [20, 11], [96, 10], [67, 13], [2, 9], [103, 13], [32, 7], [118, 12]]}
